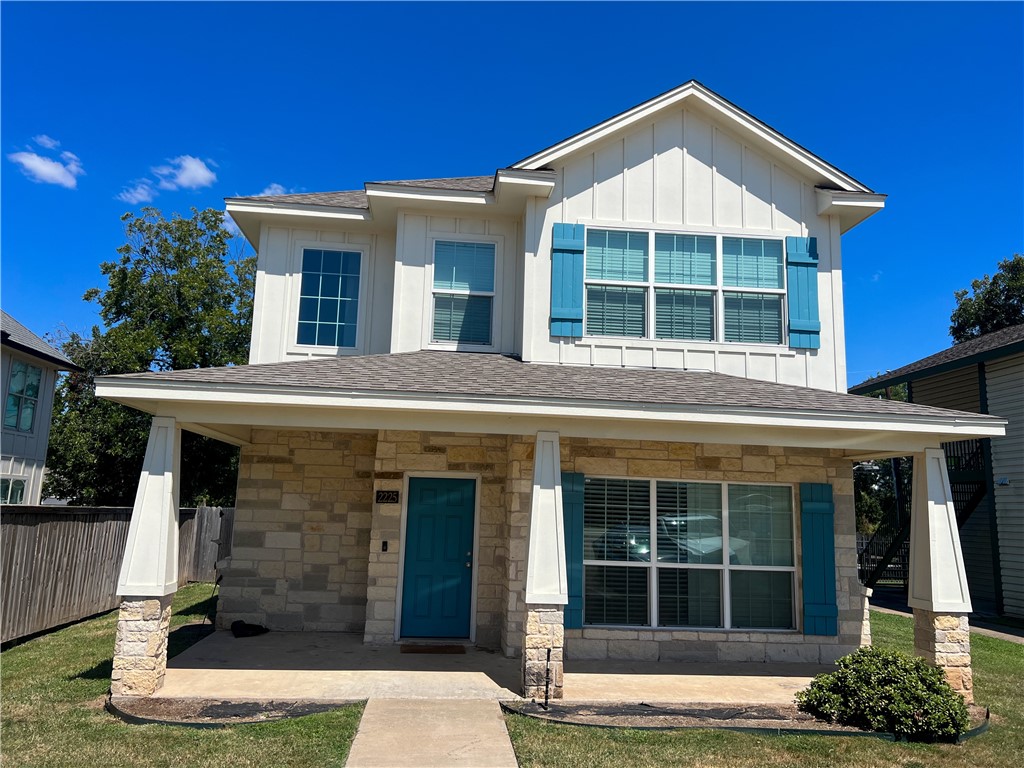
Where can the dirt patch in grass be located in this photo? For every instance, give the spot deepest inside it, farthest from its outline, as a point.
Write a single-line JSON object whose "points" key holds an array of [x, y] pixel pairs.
{"points": [[213, 712]]}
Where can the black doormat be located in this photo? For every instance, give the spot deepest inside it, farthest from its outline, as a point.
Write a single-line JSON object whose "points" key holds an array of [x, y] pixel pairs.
{"points": [[412, 648]]}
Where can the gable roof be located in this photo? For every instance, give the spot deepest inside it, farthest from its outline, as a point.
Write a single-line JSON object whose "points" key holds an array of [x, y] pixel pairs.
{"points": [[738, 118], [16, 336], [357, 198], [1000, 343], [468, 376]]}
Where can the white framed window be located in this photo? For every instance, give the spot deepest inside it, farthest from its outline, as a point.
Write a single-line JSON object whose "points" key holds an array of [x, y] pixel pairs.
{"points": [[12, 491], [689, 287], [463, 296], [654, 554], [330, 296], [23, 386]]}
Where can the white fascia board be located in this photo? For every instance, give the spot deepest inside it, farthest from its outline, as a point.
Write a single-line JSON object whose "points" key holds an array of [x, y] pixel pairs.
{"points": [[432, 195], [295, 209], [851, 207], [743, 120], [531, 182], [555, 409]]}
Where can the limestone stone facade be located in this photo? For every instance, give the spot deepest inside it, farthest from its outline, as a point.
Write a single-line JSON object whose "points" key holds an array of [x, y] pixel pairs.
{"points": [[140, 647], [309, 543], [542, 654], [944, 639]]}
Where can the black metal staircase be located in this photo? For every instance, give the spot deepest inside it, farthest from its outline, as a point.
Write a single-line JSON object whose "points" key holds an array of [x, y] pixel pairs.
{"points": [[885, 559]]}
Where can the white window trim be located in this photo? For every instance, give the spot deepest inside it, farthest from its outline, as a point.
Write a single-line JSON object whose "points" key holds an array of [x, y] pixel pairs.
{"points": [[724, 568], [362, 314], [718, 290], [427, 340], [24, 489], [8, 393]]}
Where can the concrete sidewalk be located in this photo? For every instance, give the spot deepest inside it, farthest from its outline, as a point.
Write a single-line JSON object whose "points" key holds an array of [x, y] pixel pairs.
{"points": [[401, 733]]}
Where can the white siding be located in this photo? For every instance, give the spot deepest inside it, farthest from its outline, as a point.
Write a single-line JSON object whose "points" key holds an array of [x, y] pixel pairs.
{"points": [[23, 454], [275, 313], [1005, 385], [413, 299], [681, 172]]}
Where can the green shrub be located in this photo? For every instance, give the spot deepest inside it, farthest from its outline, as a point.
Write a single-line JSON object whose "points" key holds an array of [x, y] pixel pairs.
{"points": [[888, 691]]}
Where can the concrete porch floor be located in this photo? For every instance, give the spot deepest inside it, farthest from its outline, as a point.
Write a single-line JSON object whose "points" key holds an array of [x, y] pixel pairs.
{"points": [[338, 667]]}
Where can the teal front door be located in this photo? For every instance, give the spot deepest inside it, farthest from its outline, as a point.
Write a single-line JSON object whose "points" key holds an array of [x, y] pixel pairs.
{"points": [[438, 579]]}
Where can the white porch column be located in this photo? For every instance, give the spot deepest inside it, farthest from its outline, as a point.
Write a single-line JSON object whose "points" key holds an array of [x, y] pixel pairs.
{"points": [[547, 588], [938, 590], [149, 572]]}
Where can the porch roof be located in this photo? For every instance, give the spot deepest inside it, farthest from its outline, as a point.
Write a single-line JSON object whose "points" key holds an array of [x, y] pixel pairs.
{"points": [[470, 388]]}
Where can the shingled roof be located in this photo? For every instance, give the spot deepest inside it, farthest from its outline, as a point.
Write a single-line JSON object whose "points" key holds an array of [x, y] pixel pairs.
{"points": [[356, 198], [471, 376], [1000, 343], [17, 336]]}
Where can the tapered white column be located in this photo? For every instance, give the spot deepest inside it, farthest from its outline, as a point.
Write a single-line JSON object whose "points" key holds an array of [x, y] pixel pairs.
{"points": [[938, 580], [545, 559], [150, 566], [938, 590]]}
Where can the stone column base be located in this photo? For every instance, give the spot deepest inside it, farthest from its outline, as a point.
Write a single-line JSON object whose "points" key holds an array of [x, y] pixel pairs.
{"points": [[944, 639], [545, 630], [140, 650]]}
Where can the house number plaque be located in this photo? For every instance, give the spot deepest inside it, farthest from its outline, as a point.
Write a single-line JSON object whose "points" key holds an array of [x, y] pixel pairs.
{"points": [[388, 497]]}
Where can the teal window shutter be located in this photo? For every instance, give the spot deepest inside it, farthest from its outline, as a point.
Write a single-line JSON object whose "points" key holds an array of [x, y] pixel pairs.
{"points": [[567, 280], [572, 518], [817, 514], [802, 275]]}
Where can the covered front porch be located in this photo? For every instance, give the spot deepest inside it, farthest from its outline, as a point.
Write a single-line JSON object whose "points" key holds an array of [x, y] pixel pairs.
{"points": [[343, 462]]}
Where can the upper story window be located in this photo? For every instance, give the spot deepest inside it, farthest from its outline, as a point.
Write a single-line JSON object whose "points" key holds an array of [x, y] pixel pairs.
{"points": [[699, 287], [22, 396], [463, 293], [329, 297]]}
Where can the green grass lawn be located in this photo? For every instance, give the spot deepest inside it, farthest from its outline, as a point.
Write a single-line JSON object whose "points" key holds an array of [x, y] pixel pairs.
{"points": [[999, 681], [52, 709]]}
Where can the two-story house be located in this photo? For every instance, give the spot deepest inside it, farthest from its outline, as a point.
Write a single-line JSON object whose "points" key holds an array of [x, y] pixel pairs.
{"points": [[29, 372], [592, 403]]}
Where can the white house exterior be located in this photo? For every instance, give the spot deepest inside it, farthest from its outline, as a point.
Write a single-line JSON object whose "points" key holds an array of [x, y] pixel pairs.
{"points": [[29, 372], [591, 404]]}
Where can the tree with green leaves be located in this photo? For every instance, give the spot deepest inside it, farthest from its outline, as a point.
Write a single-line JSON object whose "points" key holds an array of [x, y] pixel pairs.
{"points": [[174, 299], [997, 302]]}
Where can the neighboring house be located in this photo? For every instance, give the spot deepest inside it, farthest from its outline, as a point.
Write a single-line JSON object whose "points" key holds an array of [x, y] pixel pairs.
{"points": [[982, 375], [593, 403], [29, 373]]}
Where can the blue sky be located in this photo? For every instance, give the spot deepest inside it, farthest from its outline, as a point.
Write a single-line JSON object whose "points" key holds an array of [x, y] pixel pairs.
{"points": [[188, 103]]}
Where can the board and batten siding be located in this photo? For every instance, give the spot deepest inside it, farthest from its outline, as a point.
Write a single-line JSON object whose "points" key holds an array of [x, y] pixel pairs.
{"points": [[960, 390], [278, 276], [23, 454], [679, 172], [1005, 386], [413, 307]]}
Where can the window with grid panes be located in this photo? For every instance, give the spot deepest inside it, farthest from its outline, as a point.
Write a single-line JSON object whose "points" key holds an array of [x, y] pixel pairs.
{"points": [[22, 396], [701, 287], [463, 292], [329, 297], [687, 554]]}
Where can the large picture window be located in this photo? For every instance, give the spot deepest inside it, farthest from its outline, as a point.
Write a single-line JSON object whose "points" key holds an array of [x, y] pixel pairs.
{"points": [[696, 287], [463, 293], [687, 554], [22, 396], [329, 297]]}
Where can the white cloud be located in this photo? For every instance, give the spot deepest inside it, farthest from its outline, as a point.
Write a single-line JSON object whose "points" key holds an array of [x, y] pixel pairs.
{"points": [[140, 191], [45, 170], [273, 189], [184, 172], [45, 141]]}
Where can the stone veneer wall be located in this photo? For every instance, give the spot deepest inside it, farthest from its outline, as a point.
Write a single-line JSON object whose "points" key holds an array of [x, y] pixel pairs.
{"points": [[708, 462], [399, 452], [302, 532]]}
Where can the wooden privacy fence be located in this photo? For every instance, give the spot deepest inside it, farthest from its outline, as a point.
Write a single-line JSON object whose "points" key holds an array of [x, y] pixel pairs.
{"points": [[60, 564]]}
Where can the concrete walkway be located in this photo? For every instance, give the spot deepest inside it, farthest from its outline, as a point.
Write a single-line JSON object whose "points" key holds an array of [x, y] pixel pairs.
{"points": [[402, 733]]}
